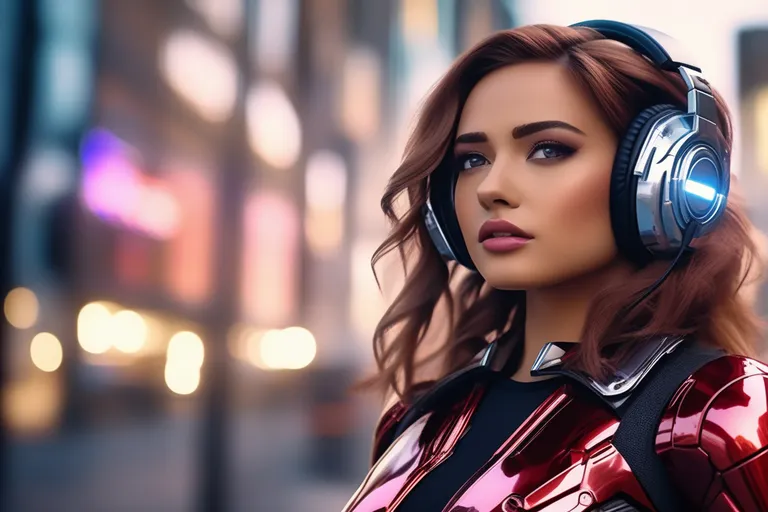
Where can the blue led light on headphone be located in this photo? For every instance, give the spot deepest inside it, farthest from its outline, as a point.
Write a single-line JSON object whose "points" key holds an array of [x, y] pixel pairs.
{"points": [[701, 187]]}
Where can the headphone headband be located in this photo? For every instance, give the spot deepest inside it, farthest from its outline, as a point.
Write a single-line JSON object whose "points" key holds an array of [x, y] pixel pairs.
{"points": [[666, 53]]}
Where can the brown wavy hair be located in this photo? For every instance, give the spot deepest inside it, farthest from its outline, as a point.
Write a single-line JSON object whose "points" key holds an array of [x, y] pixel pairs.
{"points": [[700, 298]]}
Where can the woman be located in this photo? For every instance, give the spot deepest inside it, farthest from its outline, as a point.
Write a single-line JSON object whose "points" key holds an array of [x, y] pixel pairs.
{"points": [[597, 351]]}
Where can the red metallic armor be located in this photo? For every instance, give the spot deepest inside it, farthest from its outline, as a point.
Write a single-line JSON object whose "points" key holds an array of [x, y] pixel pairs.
{"points": [[712, 439]]}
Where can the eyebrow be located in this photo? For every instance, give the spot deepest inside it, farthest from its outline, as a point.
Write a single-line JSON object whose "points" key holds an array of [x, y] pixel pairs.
{"points": [[524, 130], [472, 137]]}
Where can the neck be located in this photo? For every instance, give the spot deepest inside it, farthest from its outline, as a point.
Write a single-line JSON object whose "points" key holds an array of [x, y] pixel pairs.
{"points": [[558, 313]]}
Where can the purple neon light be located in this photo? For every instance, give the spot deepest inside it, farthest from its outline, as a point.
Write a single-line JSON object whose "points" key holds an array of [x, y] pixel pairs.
{"points": [[115, 190]]}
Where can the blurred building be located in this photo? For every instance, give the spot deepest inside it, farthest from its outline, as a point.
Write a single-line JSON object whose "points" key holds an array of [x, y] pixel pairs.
{"points": [[753, 109], [199, 196]]}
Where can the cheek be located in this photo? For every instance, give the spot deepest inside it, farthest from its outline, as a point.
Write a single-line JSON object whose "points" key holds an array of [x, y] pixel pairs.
{"points": [[580, 220]]}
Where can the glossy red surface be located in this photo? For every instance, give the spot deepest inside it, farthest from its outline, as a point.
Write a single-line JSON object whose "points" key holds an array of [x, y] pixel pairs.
{"points": [[392, 415], [713, 439], [569, 465], [561, 458], [421, 448], [709, 381], [713, 436]]}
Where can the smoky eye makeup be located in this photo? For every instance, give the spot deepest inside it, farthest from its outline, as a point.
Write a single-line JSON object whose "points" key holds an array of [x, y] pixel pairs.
{"points": [[467, 160], [466, 155], [550, 150]]}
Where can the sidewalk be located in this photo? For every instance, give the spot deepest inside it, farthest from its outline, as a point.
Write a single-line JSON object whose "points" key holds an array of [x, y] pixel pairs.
{"points": [[153, 468]]}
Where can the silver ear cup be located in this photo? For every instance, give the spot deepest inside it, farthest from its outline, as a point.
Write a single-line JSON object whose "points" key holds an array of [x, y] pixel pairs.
{"points": [[682, 172], [436, 232], [683, 179]]}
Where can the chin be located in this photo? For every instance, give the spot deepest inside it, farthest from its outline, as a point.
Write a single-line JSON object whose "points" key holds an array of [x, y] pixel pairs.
{"points": [[516, 283], [527, 274], [506, 277]]}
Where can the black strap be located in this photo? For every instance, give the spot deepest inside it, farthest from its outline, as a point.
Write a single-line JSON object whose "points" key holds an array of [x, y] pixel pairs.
{"points": [[635, 437]]}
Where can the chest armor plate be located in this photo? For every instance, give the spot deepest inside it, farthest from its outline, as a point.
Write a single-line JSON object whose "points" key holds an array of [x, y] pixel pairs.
{"points": [[560, 459]]}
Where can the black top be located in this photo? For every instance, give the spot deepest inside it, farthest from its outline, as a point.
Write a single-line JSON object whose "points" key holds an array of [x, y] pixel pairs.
{"points": [[505, 406]]}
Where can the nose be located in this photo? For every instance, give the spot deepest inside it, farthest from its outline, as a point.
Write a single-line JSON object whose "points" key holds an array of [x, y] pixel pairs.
{"points": [[498, 187]]}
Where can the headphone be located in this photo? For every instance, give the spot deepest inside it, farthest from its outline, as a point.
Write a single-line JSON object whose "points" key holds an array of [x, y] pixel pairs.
{"points": [[670, 176]]}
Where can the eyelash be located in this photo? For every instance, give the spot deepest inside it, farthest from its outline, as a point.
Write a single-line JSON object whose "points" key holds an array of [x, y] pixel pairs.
{"points": [[564, 148], [462, 158]]}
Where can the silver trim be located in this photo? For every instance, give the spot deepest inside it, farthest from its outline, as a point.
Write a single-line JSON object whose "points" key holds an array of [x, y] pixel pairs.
{"points": [[487, 354], [549, 357], [436, 232], [626, 378], [700, 99]]}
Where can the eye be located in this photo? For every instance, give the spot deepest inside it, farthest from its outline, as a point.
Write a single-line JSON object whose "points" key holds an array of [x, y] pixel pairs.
{"points": [[550, 150], [470, 161]]}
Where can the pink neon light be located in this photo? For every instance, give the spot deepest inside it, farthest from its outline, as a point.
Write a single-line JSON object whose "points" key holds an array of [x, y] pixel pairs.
{"points": [[188, 258], [117, 191], [270, 260]]}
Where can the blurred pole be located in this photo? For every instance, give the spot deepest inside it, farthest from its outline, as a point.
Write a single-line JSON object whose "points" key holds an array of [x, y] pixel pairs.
{"points": [[18, 24], [233, 178]]}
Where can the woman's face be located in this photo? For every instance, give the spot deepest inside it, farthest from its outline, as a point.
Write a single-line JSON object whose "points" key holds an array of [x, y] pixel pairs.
{"points": [[532, 151]]}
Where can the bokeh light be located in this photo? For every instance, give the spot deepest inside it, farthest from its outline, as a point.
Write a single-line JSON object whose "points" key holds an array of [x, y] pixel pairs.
{"points": [[94, 328], [46, 352], [326, 191], [202, 71], [274, 129], [186, 348], [21, 308], [130, 331], [181, 379], [292, 348], [184, 358]]}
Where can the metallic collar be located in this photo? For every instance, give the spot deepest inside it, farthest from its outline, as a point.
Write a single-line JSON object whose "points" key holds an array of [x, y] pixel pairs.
{"points": [[617, 387]]}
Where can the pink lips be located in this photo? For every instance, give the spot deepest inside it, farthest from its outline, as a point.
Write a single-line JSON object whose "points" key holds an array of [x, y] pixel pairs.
{"points": [[498, 235]]}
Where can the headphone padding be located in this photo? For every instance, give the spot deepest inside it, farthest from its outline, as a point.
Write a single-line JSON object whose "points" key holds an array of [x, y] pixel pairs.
{"points": [[624, 184]]}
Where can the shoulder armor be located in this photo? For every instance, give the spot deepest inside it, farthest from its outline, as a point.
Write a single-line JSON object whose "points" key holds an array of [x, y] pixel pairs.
{"points": [[424, 395], [713, 436], [388, 422]]}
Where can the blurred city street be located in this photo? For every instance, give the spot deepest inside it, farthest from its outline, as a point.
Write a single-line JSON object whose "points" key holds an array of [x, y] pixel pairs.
{"points": [[189, 204]]}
